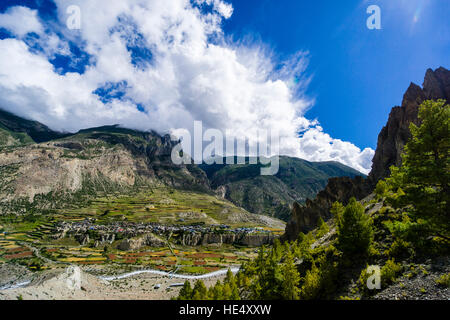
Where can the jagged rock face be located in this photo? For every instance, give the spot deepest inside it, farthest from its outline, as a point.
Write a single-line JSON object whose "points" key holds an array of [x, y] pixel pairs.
{"points": [[395, 134], [134, 244], [196, 239], [304, 218], [244, 239], [83, 239], [391, 142]]}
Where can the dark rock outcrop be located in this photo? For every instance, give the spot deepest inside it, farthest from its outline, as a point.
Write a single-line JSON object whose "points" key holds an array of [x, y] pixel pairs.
{"points": [[244, 239], [304, 218], [391, 142], [83, 239], [134, 244]]}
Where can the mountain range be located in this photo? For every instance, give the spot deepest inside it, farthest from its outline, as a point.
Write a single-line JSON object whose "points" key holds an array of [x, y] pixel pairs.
{"points": [[44, 168]]}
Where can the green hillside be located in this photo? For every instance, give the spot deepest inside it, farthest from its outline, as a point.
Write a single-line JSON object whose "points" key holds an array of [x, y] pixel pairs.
{"points": [[9, 138], [296, 180], [25, 130]]}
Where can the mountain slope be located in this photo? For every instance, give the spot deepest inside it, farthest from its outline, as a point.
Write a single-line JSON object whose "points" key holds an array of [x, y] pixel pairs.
{"points": [[9, 138], [23, 130], [296, 180], [124, 172], [51, 165], [91, 162]]}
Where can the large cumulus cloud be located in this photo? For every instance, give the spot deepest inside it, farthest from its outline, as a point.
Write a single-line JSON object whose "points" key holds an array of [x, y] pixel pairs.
{"points": [[160, 65]]}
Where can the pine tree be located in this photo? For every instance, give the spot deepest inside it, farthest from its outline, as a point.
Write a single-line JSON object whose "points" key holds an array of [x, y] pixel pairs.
{"points": [[200, 291], [231, 280], [355, 233], [185, 292], [217, 291], [227, 292], [291, 278], [425, 172]]}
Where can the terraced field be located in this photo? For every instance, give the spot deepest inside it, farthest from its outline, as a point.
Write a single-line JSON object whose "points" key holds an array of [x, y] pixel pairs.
{"points": [[184, 260], [27, 240], [167, 206]]}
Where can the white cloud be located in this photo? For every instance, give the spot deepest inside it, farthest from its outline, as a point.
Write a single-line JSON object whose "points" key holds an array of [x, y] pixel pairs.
{"points": [[20, 20], [224, 9], [228, 86], [316, 145]]}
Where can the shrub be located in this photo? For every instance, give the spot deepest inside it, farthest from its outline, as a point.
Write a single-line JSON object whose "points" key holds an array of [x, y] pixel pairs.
{"points": [[390, 272], [362, 280], [381, 189], [322, 228], [347, 298], [400, 248], [444, 280], [320, 281]]}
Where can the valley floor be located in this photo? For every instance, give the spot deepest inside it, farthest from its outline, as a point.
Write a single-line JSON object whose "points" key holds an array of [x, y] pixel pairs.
{"points": [[53, 285]]}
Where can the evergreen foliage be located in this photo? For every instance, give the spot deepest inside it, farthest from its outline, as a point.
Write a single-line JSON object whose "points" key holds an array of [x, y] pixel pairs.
{"points": [[355, 232]]}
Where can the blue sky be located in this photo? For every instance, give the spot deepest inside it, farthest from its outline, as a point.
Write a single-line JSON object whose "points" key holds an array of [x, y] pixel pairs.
{"points": [[310, 70], [358, 74]]}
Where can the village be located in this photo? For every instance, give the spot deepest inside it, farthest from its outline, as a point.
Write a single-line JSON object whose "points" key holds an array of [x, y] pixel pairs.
{"points": [[130, 229], [195, 234]]}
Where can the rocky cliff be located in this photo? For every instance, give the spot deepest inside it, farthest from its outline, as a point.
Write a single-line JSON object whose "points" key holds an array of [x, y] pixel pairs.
{"points": [[395, 134], [99, 160], [243, 239], [304, 218], [391, 142]]}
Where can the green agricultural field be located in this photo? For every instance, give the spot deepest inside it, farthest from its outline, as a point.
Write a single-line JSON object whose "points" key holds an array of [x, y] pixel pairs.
{"points": [[162, 205], [185, 260]]}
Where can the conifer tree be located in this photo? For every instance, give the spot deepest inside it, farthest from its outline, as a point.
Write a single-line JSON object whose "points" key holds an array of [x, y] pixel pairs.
{"points": [[291, 278], [424, 176], [200, 291], [354, 229], [186, 291]]}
